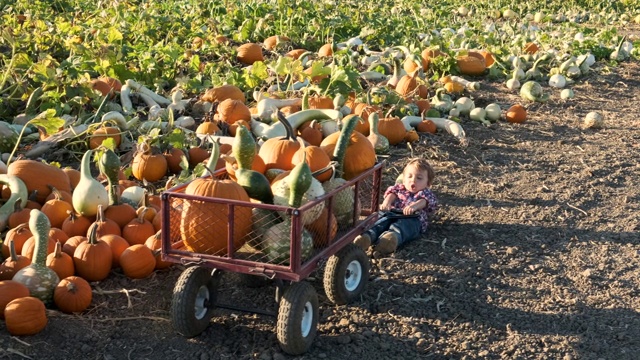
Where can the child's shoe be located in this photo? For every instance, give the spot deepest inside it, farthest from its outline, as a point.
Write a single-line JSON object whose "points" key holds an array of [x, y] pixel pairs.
{"points": [[363, 241], [387, 243]]}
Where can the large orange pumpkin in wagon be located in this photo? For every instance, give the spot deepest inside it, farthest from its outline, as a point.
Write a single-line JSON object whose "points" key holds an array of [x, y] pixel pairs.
{"points": [[204, 225]]}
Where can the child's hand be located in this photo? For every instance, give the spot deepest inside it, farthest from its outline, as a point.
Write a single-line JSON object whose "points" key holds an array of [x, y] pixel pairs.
{"points": [[408, 210], [385, 207]]}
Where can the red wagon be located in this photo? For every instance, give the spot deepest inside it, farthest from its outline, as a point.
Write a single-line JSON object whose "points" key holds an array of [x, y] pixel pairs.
{"points": [[288, 260]]}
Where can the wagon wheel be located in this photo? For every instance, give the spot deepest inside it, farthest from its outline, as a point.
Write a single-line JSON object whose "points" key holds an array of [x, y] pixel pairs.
{"points": [[346, 274], [194, 299], [297, 318]]}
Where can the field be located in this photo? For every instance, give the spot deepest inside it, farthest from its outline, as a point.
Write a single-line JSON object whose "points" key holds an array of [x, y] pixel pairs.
{"points": [[533, 253]]}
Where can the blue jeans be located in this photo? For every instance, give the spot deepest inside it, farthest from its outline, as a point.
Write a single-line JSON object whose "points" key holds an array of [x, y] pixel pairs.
{"points": [[406, 227]]}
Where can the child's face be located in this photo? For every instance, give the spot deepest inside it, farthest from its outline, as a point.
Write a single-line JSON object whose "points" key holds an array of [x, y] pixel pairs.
{"points": [[415, 179]]}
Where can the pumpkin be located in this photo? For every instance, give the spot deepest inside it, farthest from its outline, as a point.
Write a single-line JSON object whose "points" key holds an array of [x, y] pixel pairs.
{"points": [[9, 291], [72, 294], [60, 262], [37, 175], [148, 164], [154, 242], [393, 129], [76, 224], [117, 244], [325, 50], [516, 114], [93, 258], [40, 280], [427, 126], [197, 154], [103, 225], [320, 102], [19, 216], [231, 111], [277, 152], [488, 57], [137, 261], [138, 230], [324, 229], [174, 159], [232, 131], [470, 65], [359, 154], [56, 209], [423, 91], [13, 263], [249, 53], [295, 53], [17, 235], [423, 105], [29, 247], [316, 158], [454, 87], [223, 92], [364, 110], [272, 42], [204, 225], [411, 136], [103, 133], [69, 247], [407, 84], [312, 133], [428, 54], [121, 214], [208, 126], [25, 316], [530, 48]]}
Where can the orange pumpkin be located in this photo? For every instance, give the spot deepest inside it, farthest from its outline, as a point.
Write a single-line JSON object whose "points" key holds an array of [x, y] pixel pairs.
{"points": [[320, 102], [137, 261], [9, 291], [154, 242], [117, 244], [57, 209], [121, 214], [72, 294], [428, 54], [272, 42], [148, 164], [516, 114], [18, 235], [70, 246], [174, 158], [295, 53], [76, 224], [103, 133], [277, 152], [25, 316], [427, 126], [13, 263], [204, 226], [249, 53], [92, 258], [325, 50], [360, 154], [39, 176], [316, 158], [407, 84], [60, 262], [393, 129], [223, 92], [138, 230], [471, 65]]}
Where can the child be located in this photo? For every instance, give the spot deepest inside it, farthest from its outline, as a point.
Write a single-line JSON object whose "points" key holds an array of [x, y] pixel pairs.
{"points": [[404, 211]]}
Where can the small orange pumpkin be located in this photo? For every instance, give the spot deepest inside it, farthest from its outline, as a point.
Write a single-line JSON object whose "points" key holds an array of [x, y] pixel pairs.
{"points": [[393, 129], [148, 164], [72, 294], [427, 126], [103, 133], [118, 244], [13, 263], [231, 111], [9, 291], [516, 114], [137, 261], [223, 92], [17, 235], [249, 53], [154, 242], [25, 316], [60, 262], [471, 65]]}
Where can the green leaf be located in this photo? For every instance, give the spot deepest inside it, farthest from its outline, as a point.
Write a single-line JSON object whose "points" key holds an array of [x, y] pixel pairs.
{"points": [[318, 68], [259, 70], [48, 120], [114, 35]]}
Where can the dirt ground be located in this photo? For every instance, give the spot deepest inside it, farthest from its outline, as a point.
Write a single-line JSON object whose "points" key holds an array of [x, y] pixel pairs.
{"points": [[533, 254]]}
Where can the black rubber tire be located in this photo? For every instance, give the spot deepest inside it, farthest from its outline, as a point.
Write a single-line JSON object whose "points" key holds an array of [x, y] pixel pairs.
{"points": [[298, 318], [346, 275], [193, 301]]}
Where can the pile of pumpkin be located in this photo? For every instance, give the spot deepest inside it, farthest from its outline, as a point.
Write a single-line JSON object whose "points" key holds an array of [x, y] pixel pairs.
{"points": [[284, 171], [71, 231]]}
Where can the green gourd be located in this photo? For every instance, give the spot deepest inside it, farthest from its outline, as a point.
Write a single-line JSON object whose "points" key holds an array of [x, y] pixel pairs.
{"points": [[243, 150], [276, 242], [37, 277], [109, 165]]}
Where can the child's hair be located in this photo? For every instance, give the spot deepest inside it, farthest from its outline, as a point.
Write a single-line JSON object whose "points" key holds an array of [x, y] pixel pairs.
{"points": [[423, 165]]}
